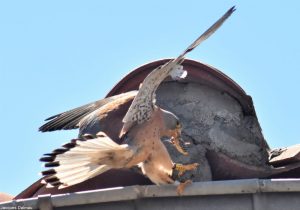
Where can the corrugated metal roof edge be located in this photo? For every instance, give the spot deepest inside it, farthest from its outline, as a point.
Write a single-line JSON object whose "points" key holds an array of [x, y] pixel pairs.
{"points": [[245, 186]]}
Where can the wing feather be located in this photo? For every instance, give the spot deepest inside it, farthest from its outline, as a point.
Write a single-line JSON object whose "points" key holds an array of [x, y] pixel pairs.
{"points": [[143, 104], [71, 119]]}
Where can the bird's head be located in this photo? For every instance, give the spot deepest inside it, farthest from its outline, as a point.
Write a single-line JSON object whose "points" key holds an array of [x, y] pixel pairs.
{"points": [[172, 129]]}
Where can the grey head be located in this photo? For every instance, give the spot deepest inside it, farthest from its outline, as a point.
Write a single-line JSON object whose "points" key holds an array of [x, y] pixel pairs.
{"points": [[171, 121], [173, 131]]}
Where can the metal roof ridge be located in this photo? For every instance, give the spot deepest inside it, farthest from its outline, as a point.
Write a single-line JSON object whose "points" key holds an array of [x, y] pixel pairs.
{"points": [[242, 186]]}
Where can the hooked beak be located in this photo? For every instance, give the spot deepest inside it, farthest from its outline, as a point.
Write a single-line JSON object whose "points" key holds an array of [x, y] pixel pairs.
{"points": [[178, 142]]}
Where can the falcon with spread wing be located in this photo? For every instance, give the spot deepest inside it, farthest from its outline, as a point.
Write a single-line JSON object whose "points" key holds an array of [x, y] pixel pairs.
{"points": [[144, 125]]}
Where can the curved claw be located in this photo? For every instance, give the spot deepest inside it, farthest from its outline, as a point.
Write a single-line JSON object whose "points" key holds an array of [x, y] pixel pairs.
{"points": [[182, 186]]}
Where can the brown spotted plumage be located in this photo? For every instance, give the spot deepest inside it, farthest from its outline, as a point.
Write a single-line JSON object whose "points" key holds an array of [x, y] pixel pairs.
{"points": [[87, 117], [144, 125]]}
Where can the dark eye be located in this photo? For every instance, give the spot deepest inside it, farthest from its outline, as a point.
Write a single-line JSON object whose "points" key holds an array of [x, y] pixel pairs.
{"points": [[178, 124]]}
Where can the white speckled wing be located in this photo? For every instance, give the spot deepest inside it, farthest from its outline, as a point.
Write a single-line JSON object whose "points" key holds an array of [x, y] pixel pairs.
{"points": [[143, 104]]}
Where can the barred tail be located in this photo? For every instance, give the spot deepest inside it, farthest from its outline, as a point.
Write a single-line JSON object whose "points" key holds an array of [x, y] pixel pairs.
{"points": [[82, 159]]}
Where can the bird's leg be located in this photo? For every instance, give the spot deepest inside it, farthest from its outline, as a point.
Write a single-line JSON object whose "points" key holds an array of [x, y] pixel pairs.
{"points": [[182, 186], [183, 168], [180, 169]]}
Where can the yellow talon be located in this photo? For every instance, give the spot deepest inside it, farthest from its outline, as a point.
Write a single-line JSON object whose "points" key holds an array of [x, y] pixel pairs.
{"points": [[183, 168]]}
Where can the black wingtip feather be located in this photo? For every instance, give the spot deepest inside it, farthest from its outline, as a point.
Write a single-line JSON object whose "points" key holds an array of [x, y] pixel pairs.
{"points": [[60, 151], [52, 164], [87, 136], [49, 154], [47, 159], [69, 145], [230, 11], [56, 184], [51, 179], [48, 172], [233, 8]]}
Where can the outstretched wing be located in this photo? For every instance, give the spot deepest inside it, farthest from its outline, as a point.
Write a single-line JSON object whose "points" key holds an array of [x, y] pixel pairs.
{"points": [[70, 119], [84, 158], [143, 104], [208, 32]]}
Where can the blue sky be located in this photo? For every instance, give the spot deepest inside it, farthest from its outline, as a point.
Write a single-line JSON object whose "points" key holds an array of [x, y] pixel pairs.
{"points": [[56, 55]]}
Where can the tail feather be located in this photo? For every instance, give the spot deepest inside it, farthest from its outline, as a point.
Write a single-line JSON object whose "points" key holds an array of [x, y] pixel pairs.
{"points": [[72, 159], [80, 177], [65, 174], [70, 169], [83, 159], [71, 176]]}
